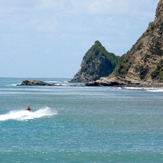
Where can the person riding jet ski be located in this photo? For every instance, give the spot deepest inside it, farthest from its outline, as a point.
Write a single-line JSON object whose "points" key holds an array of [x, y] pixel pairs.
{"points": [[28, 108]]}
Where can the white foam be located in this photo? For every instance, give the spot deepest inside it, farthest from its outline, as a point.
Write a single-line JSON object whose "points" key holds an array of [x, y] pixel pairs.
{"points": [[22, 115], [155, 90], [117, 87], [151, 89], [51, 81], [13, 84], [134, 88]]}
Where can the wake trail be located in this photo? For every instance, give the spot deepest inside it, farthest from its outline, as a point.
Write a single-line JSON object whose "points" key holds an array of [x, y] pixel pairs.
{"points": [[22, 115]]}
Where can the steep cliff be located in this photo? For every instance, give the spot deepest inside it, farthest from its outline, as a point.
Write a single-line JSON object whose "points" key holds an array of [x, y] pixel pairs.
{"points": [[143, 64], [96, 63]]}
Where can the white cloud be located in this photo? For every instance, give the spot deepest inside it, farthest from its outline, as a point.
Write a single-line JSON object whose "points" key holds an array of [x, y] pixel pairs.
{"points": [[52, 4], [75, 17], [100, 7], [108, 7], [79, 7], [52, 12], [45, 25]]}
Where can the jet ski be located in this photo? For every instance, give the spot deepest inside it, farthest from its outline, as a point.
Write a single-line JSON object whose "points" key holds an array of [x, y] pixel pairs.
{"points": [[28, 108]]}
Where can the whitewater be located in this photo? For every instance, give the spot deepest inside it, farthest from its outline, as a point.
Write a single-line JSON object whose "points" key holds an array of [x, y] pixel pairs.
{"points": [[27, 115]]}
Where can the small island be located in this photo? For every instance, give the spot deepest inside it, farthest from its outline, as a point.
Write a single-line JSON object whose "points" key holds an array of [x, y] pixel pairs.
{"points": [[36, 83]]}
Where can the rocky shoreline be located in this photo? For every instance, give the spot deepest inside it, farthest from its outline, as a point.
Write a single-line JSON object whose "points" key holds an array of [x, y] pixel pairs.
{"points": [[123, 84], [97, 83], [37, 83], [142, 65]]}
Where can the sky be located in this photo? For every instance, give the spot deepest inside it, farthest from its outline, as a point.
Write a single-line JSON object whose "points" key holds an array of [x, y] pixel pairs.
{"points": [[49, 38]]}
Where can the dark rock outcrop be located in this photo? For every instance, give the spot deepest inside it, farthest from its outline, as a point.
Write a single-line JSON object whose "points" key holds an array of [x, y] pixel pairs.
{"points": [[143, 64], [97, 62], [35, 83]]}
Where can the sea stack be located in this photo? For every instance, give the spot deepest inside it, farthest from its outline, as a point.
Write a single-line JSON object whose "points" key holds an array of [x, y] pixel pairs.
{"points": [[96, 63], [143, 64]]}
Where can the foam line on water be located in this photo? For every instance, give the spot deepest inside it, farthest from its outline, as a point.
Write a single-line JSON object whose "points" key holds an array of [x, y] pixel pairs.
{"points": [[134, 88], [22, 115], [154, 89]]}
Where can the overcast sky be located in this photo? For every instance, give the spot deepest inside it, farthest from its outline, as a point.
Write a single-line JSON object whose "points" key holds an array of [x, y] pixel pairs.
{"points": [[48, 38]]}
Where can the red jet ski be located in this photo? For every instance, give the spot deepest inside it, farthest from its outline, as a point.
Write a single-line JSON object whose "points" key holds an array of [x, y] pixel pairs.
{"points": [[28, 108]]}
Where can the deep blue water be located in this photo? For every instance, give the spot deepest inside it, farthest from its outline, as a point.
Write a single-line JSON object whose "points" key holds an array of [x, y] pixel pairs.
{"points": [[79, 124]]}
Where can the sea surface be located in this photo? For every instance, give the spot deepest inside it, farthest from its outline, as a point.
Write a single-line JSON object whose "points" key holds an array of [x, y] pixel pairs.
{"points": [[78, 124]]}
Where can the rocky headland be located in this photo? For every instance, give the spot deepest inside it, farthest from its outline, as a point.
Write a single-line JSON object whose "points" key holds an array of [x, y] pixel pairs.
{"points": [[96, 63], [142, 65]]}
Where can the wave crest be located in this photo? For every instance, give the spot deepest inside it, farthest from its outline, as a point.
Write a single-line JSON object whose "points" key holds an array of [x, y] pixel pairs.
{"points": [[22, 115]]}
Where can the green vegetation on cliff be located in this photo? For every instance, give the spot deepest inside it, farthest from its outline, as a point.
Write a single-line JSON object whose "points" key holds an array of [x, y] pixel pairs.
{"points": [[143, 63], [97, 62]]}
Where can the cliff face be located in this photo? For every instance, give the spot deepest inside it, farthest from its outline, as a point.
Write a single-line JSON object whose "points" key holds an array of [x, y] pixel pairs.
{"points": [[143, 64], [96, 63]]}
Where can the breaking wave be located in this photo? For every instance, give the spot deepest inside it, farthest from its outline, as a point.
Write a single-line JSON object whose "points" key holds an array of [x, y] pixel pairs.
{"points": [[134, 88], [148, 89], [22, 115], [155, 90]]}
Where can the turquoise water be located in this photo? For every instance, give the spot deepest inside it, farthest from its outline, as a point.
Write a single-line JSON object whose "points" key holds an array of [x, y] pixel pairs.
{"points": [[80, 124]]}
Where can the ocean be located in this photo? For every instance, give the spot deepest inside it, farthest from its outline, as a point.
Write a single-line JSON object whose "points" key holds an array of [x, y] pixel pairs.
{"points": [[78, 124]]}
